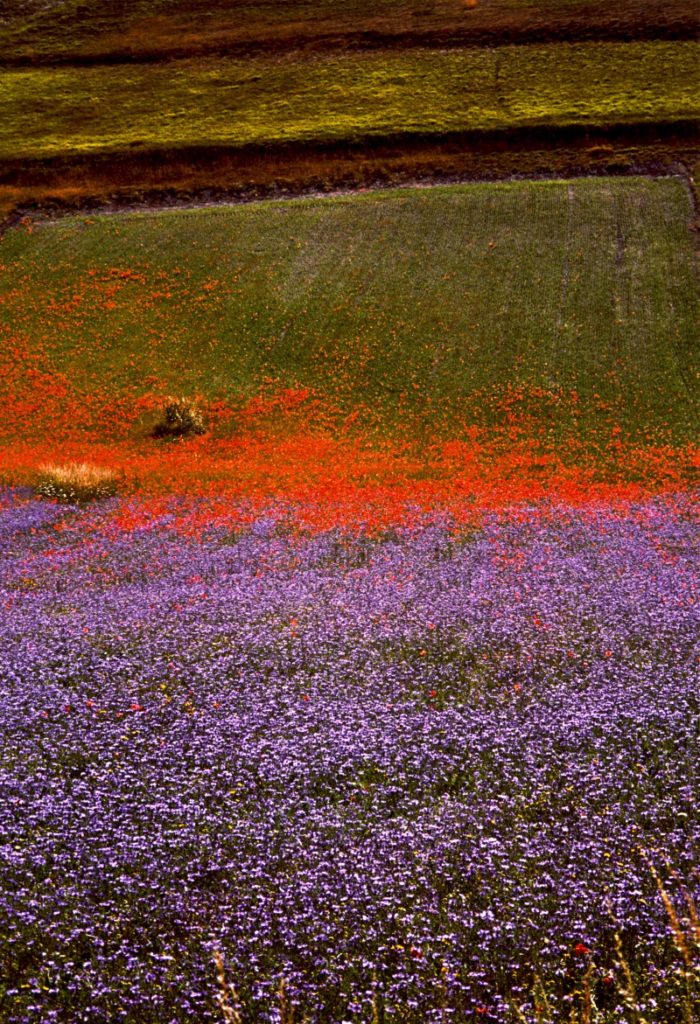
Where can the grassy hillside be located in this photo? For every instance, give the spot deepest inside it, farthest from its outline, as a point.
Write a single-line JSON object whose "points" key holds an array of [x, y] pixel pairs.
{"points": [[571, 303], [92, 29], [45, 112]]}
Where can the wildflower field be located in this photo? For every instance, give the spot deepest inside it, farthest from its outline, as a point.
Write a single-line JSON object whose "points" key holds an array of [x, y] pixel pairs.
{"points": [[413, 774], [373, 698]]}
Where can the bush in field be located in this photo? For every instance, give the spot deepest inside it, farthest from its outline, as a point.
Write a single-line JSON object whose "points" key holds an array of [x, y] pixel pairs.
{"points": [[180, 418], [76, 482]]}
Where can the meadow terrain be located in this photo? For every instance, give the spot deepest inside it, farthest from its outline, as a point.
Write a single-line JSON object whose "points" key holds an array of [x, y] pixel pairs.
{"points": [[355, 679], [378, 701]]}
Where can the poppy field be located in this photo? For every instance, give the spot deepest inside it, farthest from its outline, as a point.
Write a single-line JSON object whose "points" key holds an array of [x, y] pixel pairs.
{"points": [[458, 346], [374, 700]]}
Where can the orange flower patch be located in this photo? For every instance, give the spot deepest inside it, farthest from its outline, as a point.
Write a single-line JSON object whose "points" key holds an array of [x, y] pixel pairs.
{"points": [[294, 446], [348, 480]]}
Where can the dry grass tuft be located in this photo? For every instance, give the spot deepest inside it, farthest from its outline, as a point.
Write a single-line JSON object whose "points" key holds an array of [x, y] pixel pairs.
{"points": [[75, 482]]}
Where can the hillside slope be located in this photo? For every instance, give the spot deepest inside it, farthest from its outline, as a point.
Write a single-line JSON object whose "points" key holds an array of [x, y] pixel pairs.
{"points": [[572, 302]]}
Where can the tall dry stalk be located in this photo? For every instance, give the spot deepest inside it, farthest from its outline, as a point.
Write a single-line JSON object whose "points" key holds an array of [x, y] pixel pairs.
{"points": [[690, 968], [226, 995]]}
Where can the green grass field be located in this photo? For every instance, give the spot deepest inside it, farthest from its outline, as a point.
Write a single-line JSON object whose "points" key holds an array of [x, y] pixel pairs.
{"points": [[45, 112], [93, 28], [420, 304]]}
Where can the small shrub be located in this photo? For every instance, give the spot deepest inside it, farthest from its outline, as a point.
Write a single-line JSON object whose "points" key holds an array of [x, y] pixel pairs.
{"points": [[76, 482], [181, 418]]}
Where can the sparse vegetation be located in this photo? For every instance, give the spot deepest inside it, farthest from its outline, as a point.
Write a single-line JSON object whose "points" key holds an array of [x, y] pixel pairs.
{"points": [[341, 98], [181, 417]]}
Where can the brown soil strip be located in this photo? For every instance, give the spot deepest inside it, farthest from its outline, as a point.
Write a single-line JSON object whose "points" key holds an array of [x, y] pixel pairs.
{"points": [[478, 27], [159, 178]]}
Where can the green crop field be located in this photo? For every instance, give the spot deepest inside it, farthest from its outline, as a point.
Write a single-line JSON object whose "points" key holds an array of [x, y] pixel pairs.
{"points": [[419, 302], [32, 29], [51, 111]]}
